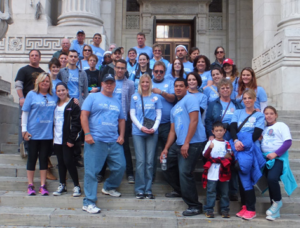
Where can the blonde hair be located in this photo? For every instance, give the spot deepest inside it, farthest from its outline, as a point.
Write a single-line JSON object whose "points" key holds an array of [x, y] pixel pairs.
{"points": [[250, 92], [150, 84], [41, 78]]}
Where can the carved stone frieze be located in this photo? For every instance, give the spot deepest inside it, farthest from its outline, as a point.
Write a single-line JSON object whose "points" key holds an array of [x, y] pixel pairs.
{"points": [[132, 21], [215, 22], [15, 43]]}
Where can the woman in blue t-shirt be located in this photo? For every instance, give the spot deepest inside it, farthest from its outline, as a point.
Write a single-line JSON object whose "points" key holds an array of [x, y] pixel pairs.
{"points": [[202, 67], [246, 81], [254, 125], [177, 70], [211, 91], [37, 128], [142, 67], [87, 51], [145, 113]]}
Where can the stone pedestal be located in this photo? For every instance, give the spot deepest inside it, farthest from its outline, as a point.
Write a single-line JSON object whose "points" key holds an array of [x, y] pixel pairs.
{"points": [[80, 13], [277, 65]]}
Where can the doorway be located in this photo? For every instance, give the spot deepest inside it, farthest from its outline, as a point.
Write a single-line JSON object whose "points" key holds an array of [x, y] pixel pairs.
{"points": [[172, 34]]}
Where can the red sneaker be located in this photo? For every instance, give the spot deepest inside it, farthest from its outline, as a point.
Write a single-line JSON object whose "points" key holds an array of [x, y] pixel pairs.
{"points": [[241, 212], [249, 215]]}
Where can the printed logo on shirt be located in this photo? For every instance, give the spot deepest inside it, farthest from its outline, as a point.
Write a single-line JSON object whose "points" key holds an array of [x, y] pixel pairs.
{"points": [[271, 132], [154, 99], [166, 85], [252, 119], [135, 98]]}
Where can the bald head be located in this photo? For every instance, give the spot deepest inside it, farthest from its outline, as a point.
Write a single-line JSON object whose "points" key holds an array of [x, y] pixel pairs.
{"points": [[65, 45]]}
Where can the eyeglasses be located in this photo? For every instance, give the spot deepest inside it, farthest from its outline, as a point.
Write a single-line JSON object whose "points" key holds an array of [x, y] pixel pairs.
{"points": [[225, 88], [87, 50], [158, 71], [46, 99], [120, 68], [219, 52]]}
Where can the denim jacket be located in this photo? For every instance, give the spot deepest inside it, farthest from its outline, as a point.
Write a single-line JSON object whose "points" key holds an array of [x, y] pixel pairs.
{"points": [[63, 75], [214, 113]]}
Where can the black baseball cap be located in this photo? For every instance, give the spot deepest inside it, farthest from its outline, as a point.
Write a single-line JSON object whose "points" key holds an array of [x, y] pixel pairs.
{"points": [[108, 77], [81, 31]]}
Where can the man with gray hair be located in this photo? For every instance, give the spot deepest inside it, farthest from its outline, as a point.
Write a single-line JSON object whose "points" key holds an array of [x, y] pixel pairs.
{"points": [[65, 47]]}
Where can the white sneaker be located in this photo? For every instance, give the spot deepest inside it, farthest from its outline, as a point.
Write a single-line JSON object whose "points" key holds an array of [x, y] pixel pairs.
{"points": [[112, 192], [92, 209], [76, 191]]}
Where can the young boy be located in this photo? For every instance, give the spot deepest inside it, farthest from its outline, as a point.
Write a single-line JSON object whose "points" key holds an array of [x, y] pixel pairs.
{"points": [[217, 171]]}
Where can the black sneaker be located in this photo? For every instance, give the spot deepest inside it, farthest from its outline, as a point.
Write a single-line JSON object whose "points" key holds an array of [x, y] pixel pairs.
{"points": [[79, 163], [172, 194], [60, 190], [192, 212], [149, 196], [225, 214], [140, 196], [209, 214]]}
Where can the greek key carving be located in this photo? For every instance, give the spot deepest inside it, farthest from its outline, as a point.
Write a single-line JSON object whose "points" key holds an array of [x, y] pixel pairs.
{"points": [[43, 44]]}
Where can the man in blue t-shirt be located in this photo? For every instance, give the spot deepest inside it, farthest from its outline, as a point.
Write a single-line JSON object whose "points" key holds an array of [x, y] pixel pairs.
{"points": [[165, 90], [188, 131], [78, 43], [142, 48], [97, 50], [132, 63], [103, 123], [157, 56], [181, 54]]}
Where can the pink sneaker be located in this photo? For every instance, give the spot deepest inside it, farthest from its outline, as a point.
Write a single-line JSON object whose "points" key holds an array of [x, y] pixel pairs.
{"points": [[249, 215], [241, 212], [30, 190], [43, 190]]}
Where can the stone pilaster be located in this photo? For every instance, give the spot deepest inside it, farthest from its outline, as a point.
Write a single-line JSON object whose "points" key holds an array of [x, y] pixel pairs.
{"points": [[80, 13]]}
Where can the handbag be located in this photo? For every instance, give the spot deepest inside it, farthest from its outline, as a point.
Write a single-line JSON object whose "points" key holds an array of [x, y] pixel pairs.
{"points": [[236, 164], [148, 123]]}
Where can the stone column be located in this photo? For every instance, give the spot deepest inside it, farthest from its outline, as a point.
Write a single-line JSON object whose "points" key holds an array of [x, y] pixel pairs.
{"points": [[80, 13], [290, 14]]}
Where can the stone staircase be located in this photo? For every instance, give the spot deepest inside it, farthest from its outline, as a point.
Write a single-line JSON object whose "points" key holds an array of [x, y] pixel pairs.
{"points": [[19, 210]]}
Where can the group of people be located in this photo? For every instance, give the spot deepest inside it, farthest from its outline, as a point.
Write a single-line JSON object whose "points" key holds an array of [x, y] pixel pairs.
{"points": [[191, 108]]}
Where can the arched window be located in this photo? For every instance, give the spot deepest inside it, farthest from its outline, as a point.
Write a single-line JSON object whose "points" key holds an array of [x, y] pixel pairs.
{"points": [[132, 6]]}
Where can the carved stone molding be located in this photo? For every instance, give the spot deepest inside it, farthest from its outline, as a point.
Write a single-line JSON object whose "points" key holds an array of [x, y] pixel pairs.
{"points": [[215, 22], [132, 21]]}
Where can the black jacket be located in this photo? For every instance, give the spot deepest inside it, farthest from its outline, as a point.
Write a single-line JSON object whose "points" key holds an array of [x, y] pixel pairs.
{"points": [[72, 125], [109, 69]]}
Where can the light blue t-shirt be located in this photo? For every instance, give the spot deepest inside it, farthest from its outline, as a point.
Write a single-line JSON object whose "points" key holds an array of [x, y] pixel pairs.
{"points": [[41, 114], [136, 79], [77, 47], [167, 86], [261, 96], [206, 76], [151, 103], [131, 69], [181, 119], [84, 64], [73, 83], [211, 94], [152, 61], [188, 67], [105, 113], [118, 90], [229, 113], [256, 120], [98, 51], [235, 91], [202, 99], [54, 83], [146, 49]]}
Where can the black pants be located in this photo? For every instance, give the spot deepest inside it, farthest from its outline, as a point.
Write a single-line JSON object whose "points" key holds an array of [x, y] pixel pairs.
{"points": [[65, 159], [38, 149], [273, 176], [248, 198], [179, 173], [127, 152]]}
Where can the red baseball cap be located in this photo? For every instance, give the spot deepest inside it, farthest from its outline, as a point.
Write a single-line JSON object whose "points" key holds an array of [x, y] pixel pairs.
{"points": [[228, 61]]}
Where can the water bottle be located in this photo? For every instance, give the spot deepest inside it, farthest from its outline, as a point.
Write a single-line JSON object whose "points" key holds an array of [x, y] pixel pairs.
{"points": [[164, 163]]}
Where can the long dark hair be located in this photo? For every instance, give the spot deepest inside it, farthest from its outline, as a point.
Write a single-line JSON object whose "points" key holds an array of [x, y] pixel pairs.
{"points": [[148, 71], [207, 62], [252, 84], [181, 70]]}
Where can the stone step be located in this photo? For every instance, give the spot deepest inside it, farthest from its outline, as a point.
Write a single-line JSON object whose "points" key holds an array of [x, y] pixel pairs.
{"points": [[295, 134], [13, 138], [9, 148], [129, 202], [66, 217], [295, 144], [158, 187]]}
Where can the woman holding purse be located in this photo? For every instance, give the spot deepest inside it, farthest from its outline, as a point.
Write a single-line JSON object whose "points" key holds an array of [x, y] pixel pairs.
{"points": [[145, 113]]}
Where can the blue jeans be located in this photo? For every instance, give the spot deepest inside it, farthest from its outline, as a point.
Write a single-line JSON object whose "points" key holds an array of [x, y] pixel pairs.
{"points": [[144, 147], [179, 173], [94, 158], [211, 194]]}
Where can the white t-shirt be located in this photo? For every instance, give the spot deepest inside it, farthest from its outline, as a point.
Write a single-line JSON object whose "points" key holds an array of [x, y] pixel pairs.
{"points": [[274, 136], [219, 150], [58, 123]]}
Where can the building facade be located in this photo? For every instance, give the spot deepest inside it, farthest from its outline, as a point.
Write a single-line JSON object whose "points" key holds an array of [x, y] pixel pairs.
{"points": [[258, 33]]}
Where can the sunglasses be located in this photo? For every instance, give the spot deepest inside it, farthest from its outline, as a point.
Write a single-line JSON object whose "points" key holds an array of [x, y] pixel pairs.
{"points": [[107, 56], [158, 71], [87, 50], [46, 99], [219, 52]]}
